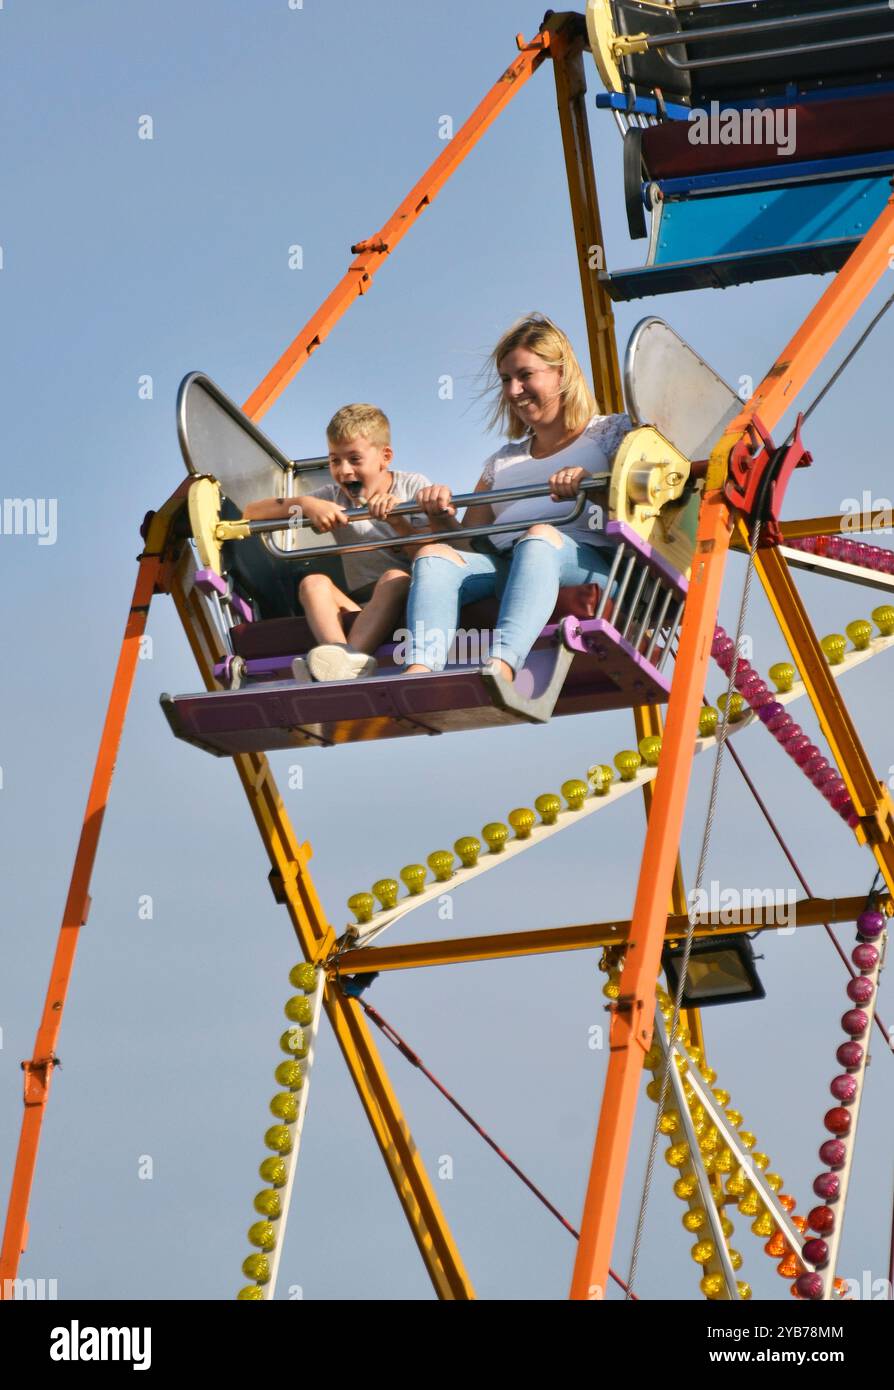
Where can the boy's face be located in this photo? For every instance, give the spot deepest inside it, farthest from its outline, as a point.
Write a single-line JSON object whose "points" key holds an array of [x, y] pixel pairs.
{"points": [[359, 466]]}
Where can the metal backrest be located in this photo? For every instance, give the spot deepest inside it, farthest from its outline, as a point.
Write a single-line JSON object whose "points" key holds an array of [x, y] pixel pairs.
{"points": [[217, 438], [669, 386]]}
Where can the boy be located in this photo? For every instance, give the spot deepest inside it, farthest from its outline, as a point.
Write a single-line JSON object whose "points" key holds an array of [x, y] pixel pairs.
{"points": [[377, 580]]}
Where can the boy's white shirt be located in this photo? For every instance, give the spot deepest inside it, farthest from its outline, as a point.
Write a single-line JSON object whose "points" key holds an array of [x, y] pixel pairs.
{"points": [[365, 567]]}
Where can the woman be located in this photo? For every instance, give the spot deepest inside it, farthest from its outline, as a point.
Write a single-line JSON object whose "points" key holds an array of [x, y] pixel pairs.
{"points": [[549, 411]]}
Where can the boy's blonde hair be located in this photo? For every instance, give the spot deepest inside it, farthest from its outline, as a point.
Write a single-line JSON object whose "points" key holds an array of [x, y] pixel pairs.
{"points": [[539, 334], [352, 420]]}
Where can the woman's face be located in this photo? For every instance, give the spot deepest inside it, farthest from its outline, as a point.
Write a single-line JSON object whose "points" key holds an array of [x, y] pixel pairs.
{"points": [[532, 388]]}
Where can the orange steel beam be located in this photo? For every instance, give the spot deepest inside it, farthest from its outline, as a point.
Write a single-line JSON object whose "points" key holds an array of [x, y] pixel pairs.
{"points": [[39, 1069], [586, 936], [632, 1016], [372, 253]]}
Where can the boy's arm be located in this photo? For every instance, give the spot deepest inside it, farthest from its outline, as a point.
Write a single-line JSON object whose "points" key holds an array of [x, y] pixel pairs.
{"points": [[319, 511]]}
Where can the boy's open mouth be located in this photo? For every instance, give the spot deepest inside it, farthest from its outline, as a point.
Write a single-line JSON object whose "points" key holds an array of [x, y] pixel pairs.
{"points": [[355, 487]]}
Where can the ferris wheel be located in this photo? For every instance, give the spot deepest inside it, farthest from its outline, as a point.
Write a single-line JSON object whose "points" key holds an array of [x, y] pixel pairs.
{"points": [[707, 98]]}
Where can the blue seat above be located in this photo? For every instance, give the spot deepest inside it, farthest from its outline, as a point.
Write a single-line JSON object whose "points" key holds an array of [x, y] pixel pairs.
{"points": [[716, 238]]}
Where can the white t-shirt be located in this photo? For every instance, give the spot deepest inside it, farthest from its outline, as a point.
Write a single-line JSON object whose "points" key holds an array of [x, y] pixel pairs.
{"points": [[365, 567], [513, 466]]}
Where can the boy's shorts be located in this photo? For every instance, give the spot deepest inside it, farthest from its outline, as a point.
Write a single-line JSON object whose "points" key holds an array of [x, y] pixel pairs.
{"points": [[363, 595]]}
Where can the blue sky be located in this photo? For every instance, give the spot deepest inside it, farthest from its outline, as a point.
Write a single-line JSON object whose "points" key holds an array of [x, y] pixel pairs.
{"points": [[124, 258]]}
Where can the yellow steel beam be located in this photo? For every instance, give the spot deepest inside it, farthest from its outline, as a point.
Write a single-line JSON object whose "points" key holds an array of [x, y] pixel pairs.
{"points": [[808, 912], [294, 887], [857, 522], [568, 42]]}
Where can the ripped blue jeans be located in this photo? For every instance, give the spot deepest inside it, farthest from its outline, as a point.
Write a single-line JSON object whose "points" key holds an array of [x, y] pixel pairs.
{"points": [[526, 579]]}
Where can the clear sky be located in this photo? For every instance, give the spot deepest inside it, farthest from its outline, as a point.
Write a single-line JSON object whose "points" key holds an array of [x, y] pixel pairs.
{"points": [[125, 258]]}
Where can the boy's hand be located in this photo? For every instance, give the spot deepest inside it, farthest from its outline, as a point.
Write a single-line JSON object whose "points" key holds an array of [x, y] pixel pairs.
{"points": [[322, 515], [566, 482], [435, 500], [381, 504]]}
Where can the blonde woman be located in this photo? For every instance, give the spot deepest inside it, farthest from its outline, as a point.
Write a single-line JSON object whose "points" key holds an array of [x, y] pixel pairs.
{"points": [[557, 436]]}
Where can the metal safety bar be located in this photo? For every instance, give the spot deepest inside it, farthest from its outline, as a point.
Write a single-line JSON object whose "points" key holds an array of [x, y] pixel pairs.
{"points": [[264, 528], [729, 31]]}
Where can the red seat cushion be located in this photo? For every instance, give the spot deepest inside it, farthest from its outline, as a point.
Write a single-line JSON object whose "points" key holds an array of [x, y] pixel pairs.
{"points": [[279, 636]]}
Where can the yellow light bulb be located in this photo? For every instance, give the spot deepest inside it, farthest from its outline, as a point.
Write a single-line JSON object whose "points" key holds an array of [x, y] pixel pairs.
{"points": [[750, 1204], [279, 1139], [711, 1141], [747, 1139], [708, 720], [303, 976], [628, 762], [735, 1259], [362, 905], [737, 1185], [251, 1294], [670, 1121], [440, 861], [468, 849], [721, 1096], [653, 1057], [285, 1107], [726, 1225], [712, 1285], [650, 749], [709, 1163], [548, 807], [263, 1235], [763, 1225], [684, 1187], [290, 1074], [522, 820], [782, 674], [736, 706], [744, 1290], [735, 1117], [386, 890], [496, 834], [834, 646], [414, 876], [653, 1090], [575, 793], [724, 1161], [708, 1074], [703, 1251], [860, 633], [274, 1171], [695, 1219], [269, 1204], [773, 1181], [677, 1155], [294, 1042], [883, 618], [299, 1009], [257, 1267], [760, 1161], [611, 989], [696, 1054]]}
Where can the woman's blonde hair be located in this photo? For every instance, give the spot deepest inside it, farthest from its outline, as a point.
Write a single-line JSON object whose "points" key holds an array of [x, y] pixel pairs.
{"points": [[540, 335]]}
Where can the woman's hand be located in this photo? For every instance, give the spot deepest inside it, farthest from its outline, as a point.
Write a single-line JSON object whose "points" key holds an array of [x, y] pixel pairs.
{"points": [[436, 500], [566, 482]]}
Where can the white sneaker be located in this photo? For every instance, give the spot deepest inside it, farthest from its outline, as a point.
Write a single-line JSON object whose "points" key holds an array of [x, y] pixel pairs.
{"points": [[336, 663], [300, 673]]}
